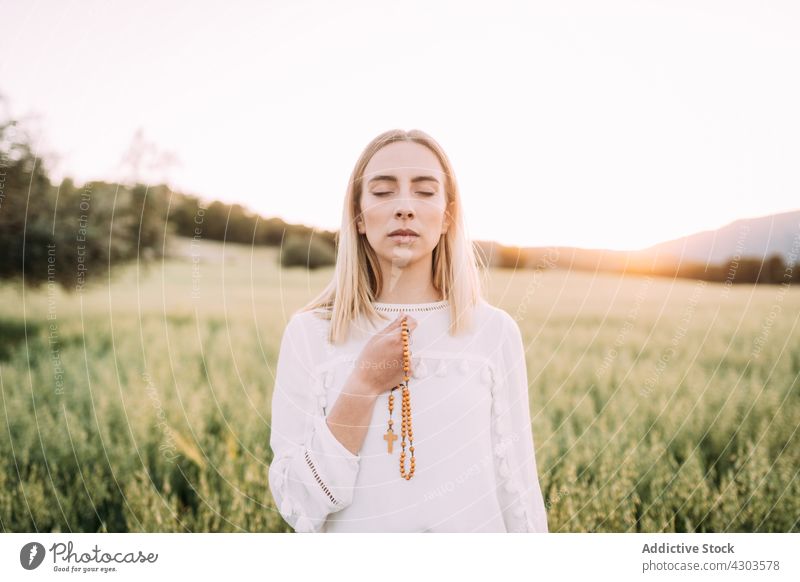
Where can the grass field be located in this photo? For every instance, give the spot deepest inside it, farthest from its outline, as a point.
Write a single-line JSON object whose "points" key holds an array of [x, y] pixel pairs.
{"points": [[143, 405]]}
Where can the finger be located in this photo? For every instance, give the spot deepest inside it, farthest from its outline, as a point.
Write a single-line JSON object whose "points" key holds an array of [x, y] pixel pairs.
{"points": [[409, 320], [412, 323], [392, 326]]}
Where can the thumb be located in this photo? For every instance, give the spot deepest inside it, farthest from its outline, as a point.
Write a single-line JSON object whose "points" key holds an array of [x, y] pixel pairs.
{"points": [[395, 323]]}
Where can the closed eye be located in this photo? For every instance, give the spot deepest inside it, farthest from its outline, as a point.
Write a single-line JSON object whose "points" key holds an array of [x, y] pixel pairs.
{"points": [[420, 192]]}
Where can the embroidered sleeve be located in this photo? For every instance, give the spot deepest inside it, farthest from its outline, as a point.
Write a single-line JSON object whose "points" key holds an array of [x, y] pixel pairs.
{"points": [[312, 473], [518, 489]]}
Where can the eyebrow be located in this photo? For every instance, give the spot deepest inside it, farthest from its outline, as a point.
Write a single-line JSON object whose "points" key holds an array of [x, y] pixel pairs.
{"points": [[394, 179]]}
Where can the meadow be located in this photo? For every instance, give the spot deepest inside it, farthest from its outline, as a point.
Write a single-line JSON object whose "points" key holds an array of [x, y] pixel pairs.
{"points": [[144, 404]]}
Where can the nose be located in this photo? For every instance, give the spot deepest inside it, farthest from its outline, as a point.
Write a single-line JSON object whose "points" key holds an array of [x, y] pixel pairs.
{"points": [[404, 203], [404, 210]]}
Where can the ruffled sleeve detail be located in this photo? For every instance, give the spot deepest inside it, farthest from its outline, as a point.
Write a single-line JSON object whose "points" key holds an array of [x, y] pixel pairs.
{"points": [[312, 473], [518, 489]]}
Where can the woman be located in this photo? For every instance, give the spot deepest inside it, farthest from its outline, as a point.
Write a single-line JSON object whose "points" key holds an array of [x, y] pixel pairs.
{"points": [[403, 252]]}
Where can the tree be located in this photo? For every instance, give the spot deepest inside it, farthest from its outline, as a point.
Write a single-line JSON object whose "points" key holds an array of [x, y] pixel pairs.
{"points": [[64, 234], [307, 251]]}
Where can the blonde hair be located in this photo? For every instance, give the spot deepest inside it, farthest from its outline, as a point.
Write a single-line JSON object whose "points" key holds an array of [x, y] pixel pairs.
{"points": [[357, 281]]}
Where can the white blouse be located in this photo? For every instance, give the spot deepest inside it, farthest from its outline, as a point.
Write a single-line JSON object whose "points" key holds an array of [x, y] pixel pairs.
{"points": [[470, 409]]}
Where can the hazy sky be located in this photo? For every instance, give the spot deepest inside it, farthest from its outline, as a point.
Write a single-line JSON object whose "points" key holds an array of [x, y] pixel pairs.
{"points": [[595, 124]]}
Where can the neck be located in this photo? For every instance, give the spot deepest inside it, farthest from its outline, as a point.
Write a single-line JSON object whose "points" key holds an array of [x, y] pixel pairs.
{"points": [[411, 283]]}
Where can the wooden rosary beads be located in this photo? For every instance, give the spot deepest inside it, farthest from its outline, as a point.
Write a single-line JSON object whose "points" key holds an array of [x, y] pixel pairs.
{"points": [[406, 428]]}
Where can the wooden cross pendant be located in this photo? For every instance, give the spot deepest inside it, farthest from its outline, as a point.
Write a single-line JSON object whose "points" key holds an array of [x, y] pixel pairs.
{"points": [[390, 437]]}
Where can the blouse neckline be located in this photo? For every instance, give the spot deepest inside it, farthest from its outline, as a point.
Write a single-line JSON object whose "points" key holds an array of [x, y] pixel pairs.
{"points": [[411, 307]]}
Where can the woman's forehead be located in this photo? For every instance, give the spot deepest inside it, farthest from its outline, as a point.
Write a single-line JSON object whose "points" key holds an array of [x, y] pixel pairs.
{"points": [[404, 160]]}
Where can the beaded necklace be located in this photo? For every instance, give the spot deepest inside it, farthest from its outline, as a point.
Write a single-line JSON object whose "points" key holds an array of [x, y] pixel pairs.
{"points": [[406, 429]]}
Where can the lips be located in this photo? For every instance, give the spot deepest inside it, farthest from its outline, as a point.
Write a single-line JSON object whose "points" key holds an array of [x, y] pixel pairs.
{"points": [[403, 232]]}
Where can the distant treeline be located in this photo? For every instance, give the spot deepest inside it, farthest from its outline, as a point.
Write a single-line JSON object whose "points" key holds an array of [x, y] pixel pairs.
{"points": [[300, 245], [68, 235], [62, 234], [771, 270], [190, 217]]}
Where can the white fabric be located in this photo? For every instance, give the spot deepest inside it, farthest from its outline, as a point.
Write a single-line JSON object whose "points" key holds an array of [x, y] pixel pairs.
{"points": [[473, 443]]}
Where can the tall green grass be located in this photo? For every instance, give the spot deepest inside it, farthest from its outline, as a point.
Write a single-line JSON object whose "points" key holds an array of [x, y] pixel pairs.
{"points": [[162, 420]]}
